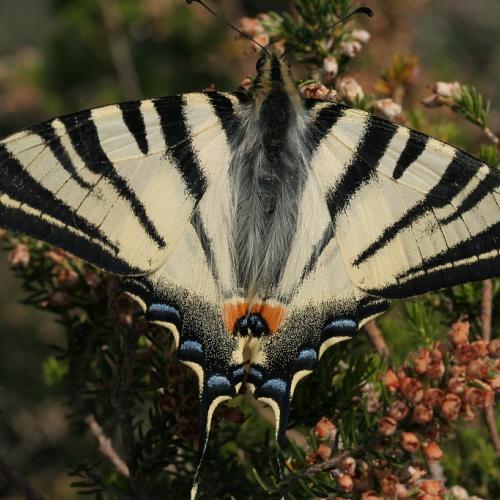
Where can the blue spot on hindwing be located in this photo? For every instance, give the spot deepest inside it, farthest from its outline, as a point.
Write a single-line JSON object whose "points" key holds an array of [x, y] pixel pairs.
{"points": [[276, 387], [237, 374], [190, 350], [340, 327], [166, 313], [306, 360], [218, 383]]}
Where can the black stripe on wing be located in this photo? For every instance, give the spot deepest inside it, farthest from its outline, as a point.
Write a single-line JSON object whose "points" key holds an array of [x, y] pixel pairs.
{"points": [[47, 132], [85, 139], [16, 182], [427, 276], [224, 109], [63, 237], [179, 143], [199, 227], [326, 237], [370, 150], [132, 116], [323, 122], [490, 183], [456, 176], [413, 149]]}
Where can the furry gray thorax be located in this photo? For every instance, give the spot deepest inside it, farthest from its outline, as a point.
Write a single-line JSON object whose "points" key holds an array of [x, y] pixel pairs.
{"points": [[269, 168]]}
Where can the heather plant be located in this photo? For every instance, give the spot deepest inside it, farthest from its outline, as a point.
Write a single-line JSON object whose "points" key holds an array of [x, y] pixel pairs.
{"points": [[406, 410]]}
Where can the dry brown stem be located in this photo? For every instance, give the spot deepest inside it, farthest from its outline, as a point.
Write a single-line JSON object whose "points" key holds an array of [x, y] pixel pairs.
{"points": [[377, 339], [486, 317], [487, 309], [106, 446]]}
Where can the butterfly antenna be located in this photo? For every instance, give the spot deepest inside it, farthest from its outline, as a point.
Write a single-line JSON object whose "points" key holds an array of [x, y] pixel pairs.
{"points": [[360, 10], [222, 20]]}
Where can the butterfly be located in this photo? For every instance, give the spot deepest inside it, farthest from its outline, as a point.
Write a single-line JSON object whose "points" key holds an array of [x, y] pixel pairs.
{"points": [[259, 227]]}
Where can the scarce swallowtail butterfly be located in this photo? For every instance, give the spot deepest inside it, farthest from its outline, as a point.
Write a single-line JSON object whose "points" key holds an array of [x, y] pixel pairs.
{"points": [[260, 228]]}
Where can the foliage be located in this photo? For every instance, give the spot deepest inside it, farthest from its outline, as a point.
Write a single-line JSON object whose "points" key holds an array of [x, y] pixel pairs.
{"points": [[358, 427]]}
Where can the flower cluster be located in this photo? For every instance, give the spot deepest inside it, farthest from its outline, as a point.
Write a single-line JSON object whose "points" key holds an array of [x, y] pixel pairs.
{"points": [[455, 379]]}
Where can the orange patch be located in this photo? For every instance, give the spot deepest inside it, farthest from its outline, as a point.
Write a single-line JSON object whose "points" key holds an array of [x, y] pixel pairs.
{"points": [[273, 314], [233, 311]]}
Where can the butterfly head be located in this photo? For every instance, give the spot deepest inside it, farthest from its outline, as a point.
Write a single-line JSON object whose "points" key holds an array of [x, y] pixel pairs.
{"points": [[273, 74]]}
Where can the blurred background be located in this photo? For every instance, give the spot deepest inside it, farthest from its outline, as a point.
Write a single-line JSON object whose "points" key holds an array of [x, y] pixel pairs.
{"points": [[58, 56]]}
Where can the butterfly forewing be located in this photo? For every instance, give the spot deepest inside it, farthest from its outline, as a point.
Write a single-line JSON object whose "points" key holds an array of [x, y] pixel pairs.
{"points": [[115, 185], [411, 214]]}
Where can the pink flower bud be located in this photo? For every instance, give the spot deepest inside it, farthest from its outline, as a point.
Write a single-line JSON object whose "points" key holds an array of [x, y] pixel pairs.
{"points": [[388, 485], [432, 451], [432, 487], [348, 465], [409, 442], [446, 89], [350, 89], [456, 385], [19, 256], [482, 398], [450, 407], [459, 333], [433, 396], [465, 353], [250, 26], [398, 410], [314, 91], [361, 35], [324, 428], [370, 495], [330, 67], [481, 348], [388, 108], [422, 361], [422, 414], [477, 368], [351, 49], [245, 84], [412, 389], [387, 426], [324, 452], [494, 348], [345, 482], [390, 380], [56, 255]]}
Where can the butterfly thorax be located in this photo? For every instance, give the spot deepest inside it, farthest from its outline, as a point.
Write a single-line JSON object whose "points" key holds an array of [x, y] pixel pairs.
{"points": [[269, 167]]}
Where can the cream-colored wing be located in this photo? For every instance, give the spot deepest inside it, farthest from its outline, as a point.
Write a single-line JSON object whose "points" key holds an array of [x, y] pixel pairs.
{"points": [[116, 185], [410, 213]]}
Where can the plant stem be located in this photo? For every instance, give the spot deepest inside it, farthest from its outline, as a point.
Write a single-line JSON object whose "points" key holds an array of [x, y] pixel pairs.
{"points": [[377, 339], [106, 446], [486, 317]]}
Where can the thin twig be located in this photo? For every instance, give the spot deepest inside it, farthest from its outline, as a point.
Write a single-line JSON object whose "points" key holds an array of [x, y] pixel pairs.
{"points": [[21, 485], [486, 322], [106, 446], [491, 136], [120, 49], [329, 464], [377, 339], [487, 309], [490, 417]]}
